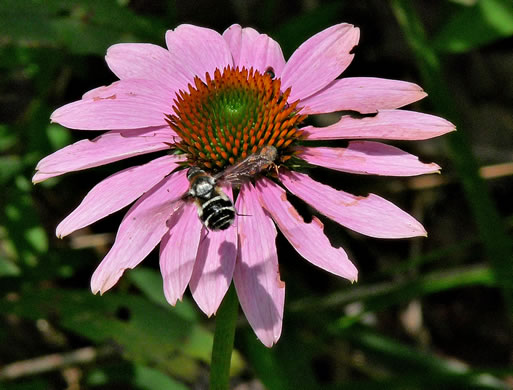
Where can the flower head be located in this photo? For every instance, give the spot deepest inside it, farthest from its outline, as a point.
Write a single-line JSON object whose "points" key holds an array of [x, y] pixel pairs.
{"points": [[215, 100]]}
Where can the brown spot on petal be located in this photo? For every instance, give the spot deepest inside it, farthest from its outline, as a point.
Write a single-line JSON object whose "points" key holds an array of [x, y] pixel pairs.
{"points": [[111, 97], [281, 283], [295, 214], [317, 222], [353, 202], [242, 239]]}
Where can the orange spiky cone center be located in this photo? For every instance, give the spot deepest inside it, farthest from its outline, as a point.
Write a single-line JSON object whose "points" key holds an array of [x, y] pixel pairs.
{"points": [[235, 114]]}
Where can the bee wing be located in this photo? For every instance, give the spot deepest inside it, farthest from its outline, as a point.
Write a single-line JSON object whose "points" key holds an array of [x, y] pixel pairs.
{"points": [[243, 171]]}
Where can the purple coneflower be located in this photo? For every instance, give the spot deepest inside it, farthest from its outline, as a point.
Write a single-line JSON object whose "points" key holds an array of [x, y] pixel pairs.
{"points": [[213, 100]]}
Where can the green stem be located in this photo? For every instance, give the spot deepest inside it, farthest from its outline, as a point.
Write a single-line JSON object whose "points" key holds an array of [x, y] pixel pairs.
{"points": [[226, 319]]}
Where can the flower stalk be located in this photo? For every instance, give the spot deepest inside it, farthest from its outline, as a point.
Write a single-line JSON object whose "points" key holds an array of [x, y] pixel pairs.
{"points": [[226, 319]]}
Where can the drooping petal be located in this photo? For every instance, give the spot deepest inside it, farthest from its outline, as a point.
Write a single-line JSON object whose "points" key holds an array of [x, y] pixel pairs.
{"points": [[387, 124], [116, 192], [213, 270], [370, 215], [307, 238], [109, 147], [141, 230], [319, 60], [257, 277], [125, 104], [178, 251], [368, 158], [251, 49], [200, 49], [147, 61], [362, 94]]}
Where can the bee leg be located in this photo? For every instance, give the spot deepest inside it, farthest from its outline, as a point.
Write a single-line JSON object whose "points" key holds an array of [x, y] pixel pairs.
{"points": [[275, 167]]}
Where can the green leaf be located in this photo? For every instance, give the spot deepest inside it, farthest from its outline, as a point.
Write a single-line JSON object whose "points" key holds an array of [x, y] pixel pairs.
{"points": [[58, 136], [265, 363], [200, 341], [149, 333], [144, 378], [81, 27], [23, 227], [382, 295], [427, 368], [8, 267], [7, 138], [472, 27], [288, 364], [150, 283], [150, 379], [27, 384], [10, 166]]}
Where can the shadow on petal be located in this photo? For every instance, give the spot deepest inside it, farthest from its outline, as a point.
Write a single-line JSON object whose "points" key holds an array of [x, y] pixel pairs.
{"points": [[262, 295]]}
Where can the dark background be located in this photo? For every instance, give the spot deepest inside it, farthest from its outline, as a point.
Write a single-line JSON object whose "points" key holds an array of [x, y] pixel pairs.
{"points": [[426, 313]]}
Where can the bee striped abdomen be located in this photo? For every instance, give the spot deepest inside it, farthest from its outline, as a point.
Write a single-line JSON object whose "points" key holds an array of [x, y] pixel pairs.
{"points": [[215, 208], [217, 213]]}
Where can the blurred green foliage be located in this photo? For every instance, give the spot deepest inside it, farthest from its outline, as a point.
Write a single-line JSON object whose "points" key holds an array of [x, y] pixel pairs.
{"points": [[474, 26], [81, 27], [335, 335]]}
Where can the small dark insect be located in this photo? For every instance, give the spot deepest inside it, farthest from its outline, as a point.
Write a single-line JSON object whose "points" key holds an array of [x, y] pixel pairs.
{"points": [[244, 170], [270, 71]]}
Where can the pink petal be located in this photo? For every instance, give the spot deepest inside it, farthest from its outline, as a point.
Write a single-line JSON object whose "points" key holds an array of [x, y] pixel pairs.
{"points": [[125, 104], [199, 49], [387, 124], [178, 251], [233, 37], [257, 277], [213, 270], [41, 176], [319, 60], [307, 238], [116, 192], [253, 50], [140, 231], [109, 147], [370, 215], [147, 61], [362, 94], [131, 88], [368, 158]]}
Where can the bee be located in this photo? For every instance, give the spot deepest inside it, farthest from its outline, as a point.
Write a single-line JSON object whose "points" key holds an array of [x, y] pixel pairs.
{"points": [[215, 209]]}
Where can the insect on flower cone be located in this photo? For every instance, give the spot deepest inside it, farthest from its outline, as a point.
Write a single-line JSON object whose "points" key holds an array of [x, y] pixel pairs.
{"points": [[228, 110]]}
